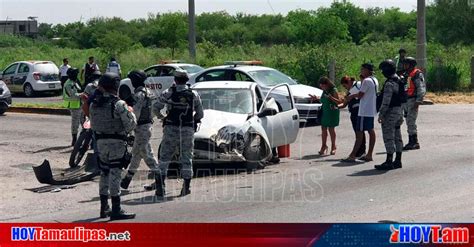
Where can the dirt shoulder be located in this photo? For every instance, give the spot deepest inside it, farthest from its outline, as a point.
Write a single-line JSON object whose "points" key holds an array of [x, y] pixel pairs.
{"points": [[451, 98]]}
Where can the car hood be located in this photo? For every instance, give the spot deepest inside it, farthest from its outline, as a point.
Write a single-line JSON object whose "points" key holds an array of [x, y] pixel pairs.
{"points": [[302, 91], [214, 120]]}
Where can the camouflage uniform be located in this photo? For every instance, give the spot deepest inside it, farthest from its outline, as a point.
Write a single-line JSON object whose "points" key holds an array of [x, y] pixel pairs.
{"points": [[391, 114], [177, 136], [411, 111], [109, 126], [142, 147]]}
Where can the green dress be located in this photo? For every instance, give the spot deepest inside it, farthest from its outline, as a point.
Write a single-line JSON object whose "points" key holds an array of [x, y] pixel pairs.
{"points": [[330, 116]]}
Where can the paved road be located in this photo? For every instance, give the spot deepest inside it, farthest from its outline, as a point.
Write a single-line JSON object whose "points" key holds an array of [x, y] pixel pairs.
{"points": [[435, 184]]}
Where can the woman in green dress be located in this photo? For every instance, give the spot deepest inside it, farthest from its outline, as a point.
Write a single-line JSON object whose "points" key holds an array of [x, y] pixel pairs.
{"points": [[330, 115]]}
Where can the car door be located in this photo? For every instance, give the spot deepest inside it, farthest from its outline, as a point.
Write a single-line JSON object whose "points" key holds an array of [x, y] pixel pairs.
{"points": [[159, 78], [9, 77], [20, 76], [281, 128]]}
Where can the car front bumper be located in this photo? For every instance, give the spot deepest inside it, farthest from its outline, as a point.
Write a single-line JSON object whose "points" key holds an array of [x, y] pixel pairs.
{"points": [[308, 111], [206, 151], [5, 101], [47, 86]]}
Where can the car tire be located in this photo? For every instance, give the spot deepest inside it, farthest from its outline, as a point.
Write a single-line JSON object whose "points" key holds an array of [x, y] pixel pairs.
{"points": [[253, 156], [28, 90], [2, 110]]}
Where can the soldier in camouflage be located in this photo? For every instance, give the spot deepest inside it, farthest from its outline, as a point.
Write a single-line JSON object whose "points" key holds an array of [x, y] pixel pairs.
{"points": [[416, 90], [72, 101], [184, 109], [111, 121], [390, 115], [143, 112]]}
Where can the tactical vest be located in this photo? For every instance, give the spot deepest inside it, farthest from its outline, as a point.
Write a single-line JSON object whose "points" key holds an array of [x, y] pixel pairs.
{"points": [[89, 69], [103, 120], [180, 108], [146, 116], [398, 97], [69, 102], [411, 87]]}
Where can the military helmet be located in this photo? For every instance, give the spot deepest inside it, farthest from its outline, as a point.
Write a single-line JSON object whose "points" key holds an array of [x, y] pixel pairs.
{"points": [[410, 61], [137, 77], [72, 73], [109, 81], [388, 67], [181, 76]]}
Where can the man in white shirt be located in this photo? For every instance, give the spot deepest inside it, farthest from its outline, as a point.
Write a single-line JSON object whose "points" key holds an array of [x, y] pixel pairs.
{"points": [[63, 71], [114, 67], [367, 112]]}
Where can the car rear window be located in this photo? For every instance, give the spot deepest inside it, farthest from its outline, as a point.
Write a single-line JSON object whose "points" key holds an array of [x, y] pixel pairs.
{"points": [[191, 69], [46, 68]]}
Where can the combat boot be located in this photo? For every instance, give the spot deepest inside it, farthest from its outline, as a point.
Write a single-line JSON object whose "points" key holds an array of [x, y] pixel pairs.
{"points": [[117, 212], [104, 206], [160, 185], [387, 165], [416, 145], [186, 188], [398, 161], [126, 180], [74, 139]]}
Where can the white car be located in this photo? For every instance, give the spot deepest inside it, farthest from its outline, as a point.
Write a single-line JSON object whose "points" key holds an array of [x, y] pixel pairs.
{"points": [[29, 77], [241, 124], [5, 97], [160, 77], [266, 78]]}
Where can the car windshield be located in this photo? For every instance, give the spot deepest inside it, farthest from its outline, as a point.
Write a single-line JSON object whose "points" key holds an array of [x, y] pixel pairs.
{"points": [[191, 69], [271, 77], [227, 100]]}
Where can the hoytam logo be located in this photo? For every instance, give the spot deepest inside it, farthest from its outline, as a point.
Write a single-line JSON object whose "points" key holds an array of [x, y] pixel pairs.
{"points": [[435, 234], [74, 234]]}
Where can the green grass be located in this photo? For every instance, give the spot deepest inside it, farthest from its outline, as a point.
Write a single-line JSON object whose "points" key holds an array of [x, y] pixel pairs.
{"points": [[39, 105]]}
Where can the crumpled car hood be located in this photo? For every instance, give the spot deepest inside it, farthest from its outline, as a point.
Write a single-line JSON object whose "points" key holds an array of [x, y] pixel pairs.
{"points": [[214, 120]]}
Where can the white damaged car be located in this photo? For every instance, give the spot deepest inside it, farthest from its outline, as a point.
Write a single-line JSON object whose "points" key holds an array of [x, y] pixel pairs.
{"points": [[242, 125]]}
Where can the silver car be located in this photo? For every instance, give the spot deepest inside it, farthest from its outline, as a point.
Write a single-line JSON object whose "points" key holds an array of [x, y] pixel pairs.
{"points": [[266, 78]]}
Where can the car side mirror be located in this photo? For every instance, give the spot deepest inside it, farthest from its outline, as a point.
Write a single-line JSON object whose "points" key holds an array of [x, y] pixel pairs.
{"points": [[267, 112]]}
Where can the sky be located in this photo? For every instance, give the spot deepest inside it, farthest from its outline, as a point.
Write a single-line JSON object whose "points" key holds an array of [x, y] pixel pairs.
{"points": [[65, 11]]}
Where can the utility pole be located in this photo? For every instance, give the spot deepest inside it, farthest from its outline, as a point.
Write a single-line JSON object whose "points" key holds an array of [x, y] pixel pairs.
{"points": [[192, 31], [421, 35]]}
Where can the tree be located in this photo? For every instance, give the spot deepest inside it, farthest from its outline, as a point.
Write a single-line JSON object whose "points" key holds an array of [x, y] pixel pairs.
{"points": [[113, 43]]}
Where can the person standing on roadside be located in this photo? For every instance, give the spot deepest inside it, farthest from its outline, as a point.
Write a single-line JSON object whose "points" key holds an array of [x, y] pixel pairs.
{"points": [[330, 117], [400, 61], [72, 101], [416, 90], [111, 120], [367, 112], [114, 67], [86, 73], [391, 116], [353, 87], [63, 71]]}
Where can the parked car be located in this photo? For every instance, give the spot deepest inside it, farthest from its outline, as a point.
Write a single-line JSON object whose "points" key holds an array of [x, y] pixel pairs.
{"points": [[241, 124], [29, 77], [160, 77], [5, 97], [266, 78]]}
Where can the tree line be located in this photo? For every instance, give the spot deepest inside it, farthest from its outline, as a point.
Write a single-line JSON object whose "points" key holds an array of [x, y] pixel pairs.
{"points": [[448, 23]]}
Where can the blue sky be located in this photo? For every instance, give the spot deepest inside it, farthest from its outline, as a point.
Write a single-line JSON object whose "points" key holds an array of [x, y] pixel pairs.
{"points": [[64, 11]]}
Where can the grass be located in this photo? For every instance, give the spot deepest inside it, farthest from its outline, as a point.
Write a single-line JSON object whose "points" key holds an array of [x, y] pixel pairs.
{"points": [[39, 105]]}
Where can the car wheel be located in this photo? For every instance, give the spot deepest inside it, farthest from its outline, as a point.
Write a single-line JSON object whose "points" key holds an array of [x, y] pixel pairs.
{"points": [[253, 153], [2, 110], [28, 90]]}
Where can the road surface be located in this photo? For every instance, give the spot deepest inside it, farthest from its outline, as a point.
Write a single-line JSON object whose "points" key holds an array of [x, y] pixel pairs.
{"points": [[435, 184]]}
